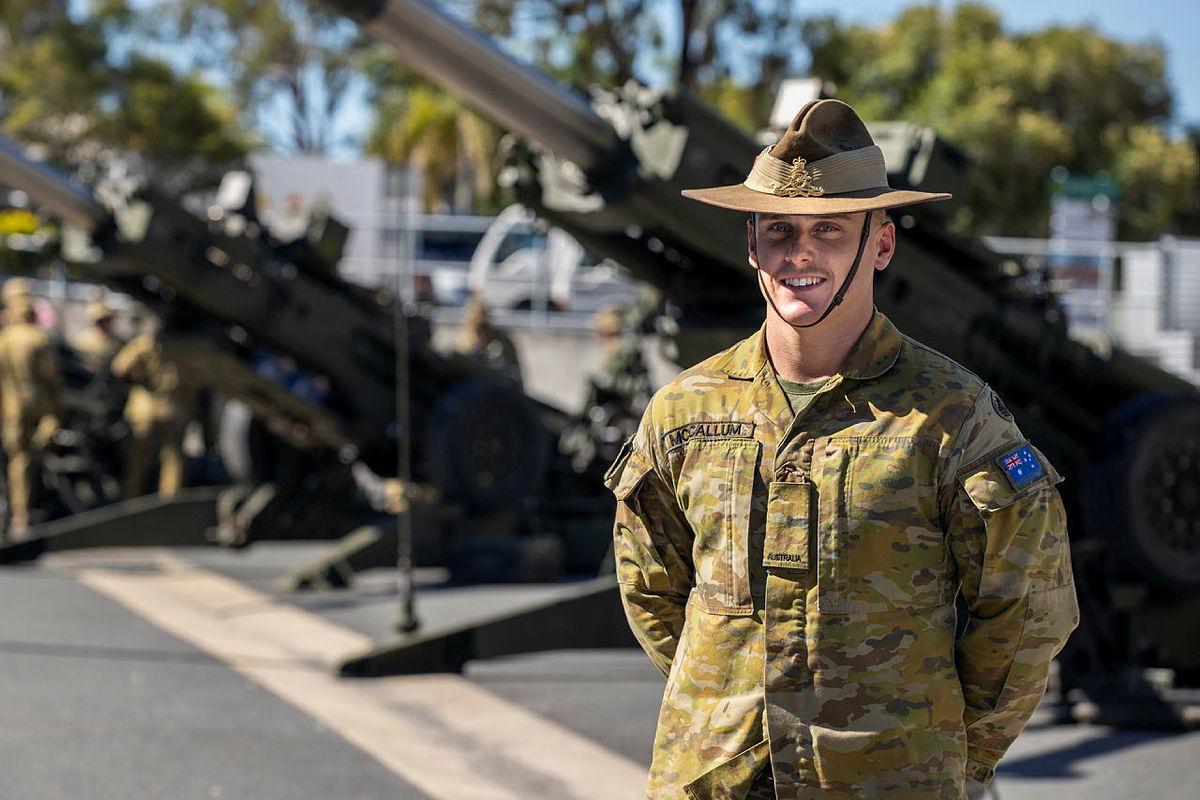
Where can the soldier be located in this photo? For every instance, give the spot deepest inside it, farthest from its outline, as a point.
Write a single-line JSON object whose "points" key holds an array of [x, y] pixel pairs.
{"points": [[29, 400], [481, 341], [15, 288], [797, 514], [97, 344], [623, 372], [154, 411]]}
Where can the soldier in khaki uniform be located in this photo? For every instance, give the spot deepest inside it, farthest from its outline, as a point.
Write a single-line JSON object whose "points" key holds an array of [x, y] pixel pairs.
{"points": [[97, 344], [155, 413], [29, 400], [623, 372], [797, 514]]}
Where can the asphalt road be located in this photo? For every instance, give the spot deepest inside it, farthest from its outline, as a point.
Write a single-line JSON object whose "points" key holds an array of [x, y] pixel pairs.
{"points": [[99, 702]]}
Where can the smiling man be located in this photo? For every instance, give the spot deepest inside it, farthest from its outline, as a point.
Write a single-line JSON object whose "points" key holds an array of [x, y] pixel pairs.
{"points": [[797, 514]]}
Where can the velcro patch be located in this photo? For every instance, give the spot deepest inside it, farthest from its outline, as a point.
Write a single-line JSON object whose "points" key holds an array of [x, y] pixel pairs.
{"points": [[1021, 466], [711, 429]]}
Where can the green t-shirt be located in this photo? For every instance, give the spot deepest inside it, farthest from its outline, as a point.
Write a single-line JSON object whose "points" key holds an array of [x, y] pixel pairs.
{"points": [[800, 394]]}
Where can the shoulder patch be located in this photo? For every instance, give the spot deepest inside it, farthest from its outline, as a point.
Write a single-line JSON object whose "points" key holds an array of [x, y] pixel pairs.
{"points": [[1021, 466], [998, 404], [709, 429]]}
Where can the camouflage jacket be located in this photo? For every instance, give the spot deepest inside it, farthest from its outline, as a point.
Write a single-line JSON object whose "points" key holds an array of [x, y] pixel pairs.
{"points": [[795, 579]]}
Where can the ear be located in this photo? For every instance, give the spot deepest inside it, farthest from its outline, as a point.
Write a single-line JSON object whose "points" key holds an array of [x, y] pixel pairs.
{"points": [[885, 244], [751, 243]]}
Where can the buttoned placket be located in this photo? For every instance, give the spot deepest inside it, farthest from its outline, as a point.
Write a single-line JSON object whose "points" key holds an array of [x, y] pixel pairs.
{"points": [[788, 689]]}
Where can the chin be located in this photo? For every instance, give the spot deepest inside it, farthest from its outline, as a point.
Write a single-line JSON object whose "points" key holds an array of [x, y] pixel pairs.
{"points": [[799, 313]]}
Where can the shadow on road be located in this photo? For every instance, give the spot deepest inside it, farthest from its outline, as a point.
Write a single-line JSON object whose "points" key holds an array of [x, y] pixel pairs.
{"points": [[1062, 762]]}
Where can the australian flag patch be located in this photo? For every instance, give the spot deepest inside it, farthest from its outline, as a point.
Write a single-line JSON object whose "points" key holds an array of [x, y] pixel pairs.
{"points": [[1021, 466]]}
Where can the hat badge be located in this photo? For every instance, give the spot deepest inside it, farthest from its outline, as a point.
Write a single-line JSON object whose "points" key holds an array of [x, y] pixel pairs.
{"points": [[800, 182]]}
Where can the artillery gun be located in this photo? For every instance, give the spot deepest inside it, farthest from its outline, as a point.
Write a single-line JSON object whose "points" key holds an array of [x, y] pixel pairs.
{"points": [[609, 168], [254, 318]]}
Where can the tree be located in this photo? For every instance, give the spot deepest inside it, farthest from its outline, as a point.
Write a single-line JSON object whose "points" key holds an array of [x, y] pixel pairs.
{"points": [[290, 64], [64, 92], [1020, 104], [734, 51], [454, 148], [731, 53]]}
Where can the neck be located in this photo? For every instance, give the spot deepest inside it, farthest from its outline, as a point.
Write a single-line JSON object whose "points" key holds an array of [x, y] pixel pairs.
{"points": [[805, 354]]}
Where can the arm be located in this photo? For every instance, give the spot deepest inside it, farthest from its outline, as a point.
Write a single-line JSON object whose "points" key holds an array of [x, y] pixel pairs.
{"points": [[652, 546], [1009, 543]]}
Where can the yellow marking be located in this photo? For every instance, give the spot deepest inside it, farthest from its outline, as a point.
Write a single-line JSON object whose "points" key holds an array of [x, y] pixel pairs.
{"points": [[443, 734]]}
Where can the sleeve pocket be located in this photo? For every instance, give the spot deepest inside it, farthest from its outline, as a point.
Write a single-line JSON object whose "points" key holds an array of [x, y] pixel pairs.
{"points": [[990, 487]]}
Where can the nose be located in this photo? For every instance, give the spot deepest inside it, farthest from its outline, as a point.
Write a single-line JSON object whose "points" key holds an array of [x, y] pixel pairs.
{"points": [[799, 249]]}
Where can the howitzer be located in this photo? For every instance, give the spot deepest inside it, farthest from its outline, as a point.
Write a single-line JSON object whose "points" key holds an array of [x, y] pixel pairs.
{"points": [[609, 168], [238, 302]]}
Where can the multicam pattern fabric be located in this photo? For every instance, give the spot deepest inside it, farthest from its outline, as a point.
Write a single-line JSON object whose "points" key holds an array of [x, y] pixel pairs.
{"points": [[795, 579]]}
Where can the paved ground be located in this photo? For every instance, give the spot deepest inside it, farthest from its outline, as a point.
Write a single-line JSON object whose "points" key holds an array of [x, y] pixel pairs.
{"points": [[188, 675]]}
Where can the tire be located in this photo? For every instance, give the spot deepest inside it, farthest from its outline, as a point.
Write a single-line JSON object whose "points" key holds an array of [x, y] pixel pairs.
{"points": [[485, 446]]}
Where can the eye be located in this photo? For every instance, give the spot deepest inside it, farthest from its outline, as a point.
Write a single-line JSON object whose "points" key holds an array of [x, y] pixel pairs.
{"points": [[779, 227], [825, 227]]}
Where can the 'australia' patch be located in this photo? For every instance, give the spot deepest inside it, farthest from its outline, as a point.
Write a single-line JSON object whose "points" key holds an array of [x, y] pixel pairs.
{"points": [[1021, 466], [710, 429]]}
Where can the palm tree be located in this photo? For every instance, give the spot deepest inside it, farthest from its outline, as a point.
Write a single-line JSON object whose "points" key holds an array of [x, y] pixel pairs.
{"points": [[453, 147]]}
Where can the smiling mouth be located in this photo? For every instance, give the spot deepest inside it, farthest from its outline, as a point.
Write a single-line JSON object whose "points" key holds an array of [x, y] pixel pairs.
{"points": [[801, 283]]}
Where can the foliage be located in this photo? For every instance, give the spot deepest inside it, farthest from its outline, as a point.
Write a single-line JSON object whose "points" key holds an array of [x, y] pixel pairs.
{"points": [[1020, 104], [719, 48], [731, 53], [416, 122], [290, 64], [64, 92]]}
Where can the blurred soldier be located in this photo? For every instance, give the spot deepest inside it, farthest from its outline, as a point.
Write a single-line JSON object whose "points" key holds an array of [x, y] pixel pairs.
{"points": [[623, 373], [97, 344], [482, 342], [29, 400], [154, 412], [617, 396], [15, 288]]}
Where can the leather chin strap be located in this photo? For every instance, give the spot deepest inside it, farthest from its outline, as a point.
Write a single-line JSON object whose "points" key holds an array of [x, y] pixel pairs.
{"points": [[841, 292]]}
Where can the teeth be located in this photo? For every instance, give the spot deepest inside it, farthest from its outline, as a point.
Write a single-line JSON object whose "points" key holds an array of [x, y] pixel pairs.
{"points": [[803, 281]]}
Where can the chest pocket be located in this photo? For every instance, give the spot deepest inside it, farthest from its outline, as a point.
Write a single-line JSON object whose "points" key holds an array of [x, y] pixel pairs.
{"points": [[715, 489], [880, 546]]}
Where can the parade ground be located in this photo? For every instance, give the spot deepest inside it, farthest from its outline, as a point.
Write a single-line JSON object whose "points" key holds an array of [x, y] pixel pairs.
{"points": [[187, 673]]}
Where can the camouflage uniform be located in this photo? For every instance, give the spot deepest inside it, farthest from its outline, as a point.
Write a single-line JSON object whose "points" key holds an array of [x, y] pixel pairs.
{"points": [[29, 399], [155, 412], [795, 579]]}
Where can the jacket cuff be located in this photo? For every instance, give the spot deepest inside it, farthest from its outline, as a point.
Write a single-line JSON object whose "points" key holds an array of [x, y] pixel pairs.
{"points": [[980, 771]]}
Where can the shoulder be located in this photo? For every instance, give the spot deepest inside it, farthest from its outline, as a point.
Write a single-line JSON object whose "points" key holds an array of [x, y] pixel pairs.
{"points": [[700, 385], [922, 363], [705, 391], [984, 425]]}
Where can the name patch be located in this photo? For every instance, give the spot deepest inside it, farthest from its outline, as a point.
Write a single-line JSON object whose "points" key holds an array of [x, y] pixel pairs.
{"points": [[1021, 466], [713, 429]]}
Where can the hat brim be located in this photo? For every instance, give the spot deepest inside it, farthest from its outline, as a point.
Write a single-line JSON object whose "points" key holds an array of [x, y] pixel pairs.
{"points": [[739, 197]]}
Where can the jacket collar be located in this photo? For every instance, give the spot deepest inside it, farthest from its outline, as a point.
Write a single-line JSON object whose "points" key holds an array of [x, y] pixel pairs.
{"points": [[872, 355]]}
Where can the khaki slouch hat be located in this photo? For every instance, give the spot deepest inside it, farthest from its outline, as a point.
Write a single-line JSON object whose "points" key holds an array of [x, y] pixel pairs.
{"points": [[825, 163]]}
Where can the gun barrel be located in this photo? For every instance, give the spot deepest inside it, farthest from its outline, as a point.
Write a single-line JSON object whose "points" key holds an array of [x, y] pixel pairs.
{"points": [[51, 189], [513, 94]]}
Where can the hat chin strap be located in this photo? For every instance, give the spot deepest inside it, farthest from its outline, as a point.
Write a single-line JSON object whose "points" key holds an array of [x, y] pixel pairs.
{"points": [[841, 292]]}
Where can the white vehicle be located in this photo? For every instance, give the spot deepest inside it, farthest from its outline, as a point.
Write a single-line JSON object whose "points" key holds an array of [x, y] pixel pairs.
{"points": [[520, 265]]}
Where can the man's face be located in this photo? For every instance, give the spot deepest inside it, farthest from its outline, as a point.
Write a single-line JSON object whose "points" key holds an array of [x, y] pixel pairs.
{"points": [[805, 258]]}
